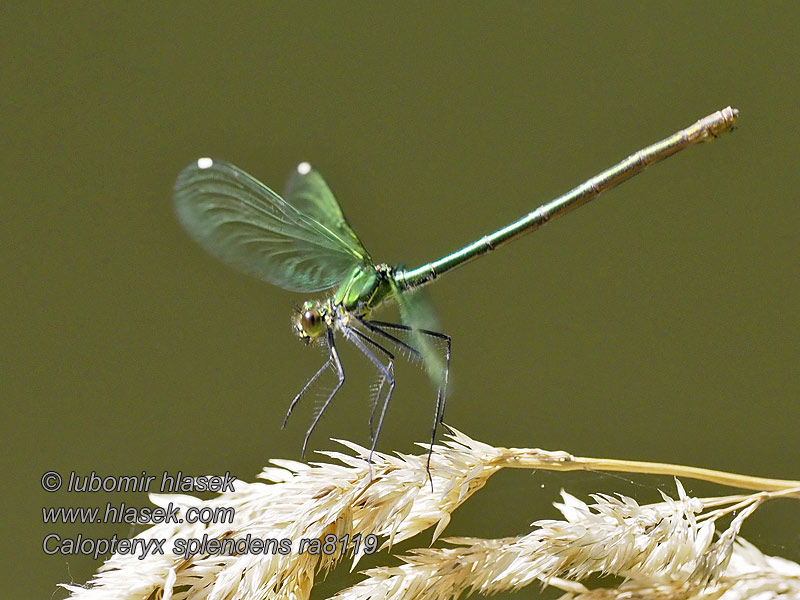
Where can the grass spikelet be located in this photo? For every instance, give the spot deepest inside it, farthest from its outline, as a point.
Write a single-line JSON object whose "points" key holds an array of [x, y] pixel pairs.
{"points": [[680, 547]]}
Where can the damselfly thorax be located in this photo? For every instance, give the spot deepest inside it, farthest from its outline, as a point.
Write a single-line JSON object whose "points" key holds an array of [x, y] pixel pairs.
{"points": [[368, 287]]}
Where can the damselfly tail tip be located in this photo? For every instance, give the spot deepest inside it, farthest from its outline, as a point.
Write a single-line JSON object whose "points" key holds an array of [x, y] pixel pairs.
{"points": [[735, 115], [732, 114]]}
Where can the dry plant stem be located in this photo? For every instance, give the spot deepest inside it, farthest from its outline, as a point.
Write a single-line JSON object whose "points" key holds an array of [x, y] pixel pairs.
{"points": [[535, 458]]}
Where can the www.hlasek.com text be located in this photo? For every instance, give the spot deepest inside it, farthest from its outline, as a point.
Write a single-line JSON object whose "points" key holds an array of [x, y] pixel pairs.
{"points": [[138, 515]]}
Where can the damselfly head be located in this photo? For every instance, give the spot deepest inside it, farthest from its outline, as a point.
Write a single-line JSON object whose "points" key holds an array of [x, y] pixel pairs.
{"points": [[309, 321]]}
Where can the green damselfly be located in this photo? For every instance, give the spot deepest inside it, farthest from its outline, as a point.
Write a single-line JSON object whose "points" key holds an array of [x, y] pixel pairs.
{"points": [[302, 242]]}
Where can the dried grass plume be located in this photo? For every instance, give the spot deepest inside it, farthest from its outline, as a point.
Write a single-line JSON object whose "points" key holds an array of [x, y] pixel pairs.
{"points": [[676, 548]]}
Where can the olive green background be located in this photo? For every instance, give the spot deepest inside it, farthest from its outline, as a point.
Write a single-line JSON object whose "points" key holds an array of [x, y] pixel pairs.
{"points": [[658, 323]]}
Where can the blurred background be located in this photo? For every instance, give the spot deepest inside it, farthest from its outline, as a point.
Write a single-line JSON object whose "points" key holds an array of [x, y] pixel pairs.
{"points": [[659, 323]]}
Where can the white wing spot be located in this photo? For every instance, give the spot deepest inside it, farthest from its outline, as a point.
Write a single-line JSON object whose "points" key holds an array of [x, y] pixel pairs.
{"points": [[304, 168], [204, 163]]}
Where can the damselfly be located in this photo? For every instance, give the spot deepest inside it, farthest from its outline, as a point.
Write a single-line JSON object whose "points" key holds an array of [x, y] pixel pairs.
{"points": [[302, 242]]}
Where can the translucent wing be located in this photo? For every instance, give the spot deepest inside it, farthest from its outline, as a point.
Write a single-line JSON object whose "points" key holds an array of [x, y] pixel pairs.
{"points": [[417, 314], [307, 191], [302, 243]]}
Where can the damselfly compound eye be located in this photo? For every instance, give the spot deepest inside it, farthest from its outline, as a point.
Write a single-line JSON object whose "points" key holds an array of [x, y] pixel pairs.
{"points": [[312, 324]]}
